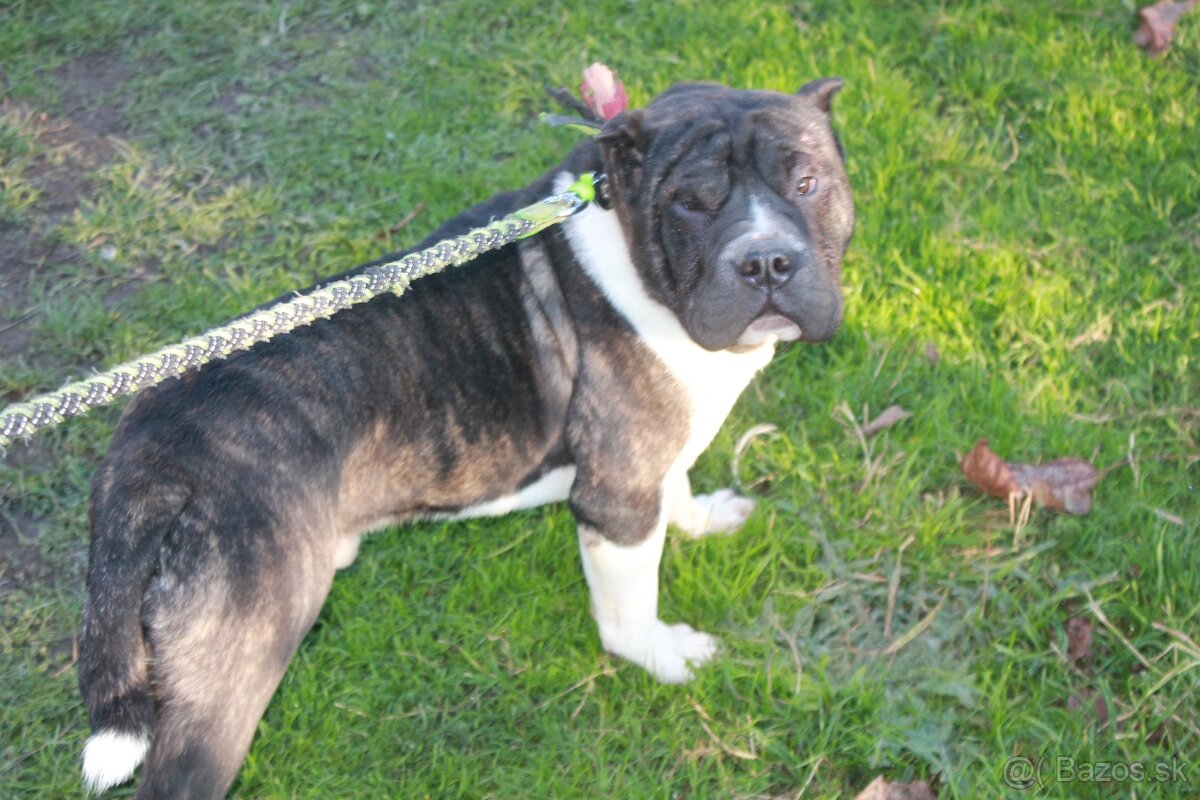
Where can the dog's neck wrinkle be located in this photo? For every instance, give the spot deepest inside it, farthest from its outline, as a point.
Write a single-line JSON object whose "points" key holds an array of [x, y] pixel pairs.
{"points": [[598, 240], [550, 304], [662, 284]]}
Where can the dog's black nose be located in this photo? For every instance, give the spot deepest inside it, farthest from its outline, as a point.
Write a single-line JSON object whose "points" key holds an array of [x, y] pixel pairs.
{"points": [[764, 269]]}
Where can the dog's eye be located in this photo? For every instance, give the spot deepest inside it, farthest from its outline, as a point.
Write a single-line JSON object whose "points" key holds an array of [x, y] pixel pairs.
{"points": [[688, 202], [806, 185]]}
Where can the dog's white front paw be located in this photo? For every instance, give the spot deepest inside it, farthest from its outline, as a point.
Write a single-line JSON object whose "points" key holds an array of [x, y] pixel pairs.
{"points": [[723, 511], [668, 652]]}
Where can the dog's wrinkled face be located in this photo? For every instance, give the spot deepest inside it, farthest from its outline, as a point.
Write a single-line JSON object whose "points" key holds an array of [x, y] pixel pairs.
{"points": [[738, 209]]}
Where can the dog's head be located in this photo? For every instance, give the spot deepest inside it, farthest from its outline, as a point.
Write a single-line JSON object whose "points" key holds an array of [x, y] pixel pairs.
{"points": [[737, 209]]}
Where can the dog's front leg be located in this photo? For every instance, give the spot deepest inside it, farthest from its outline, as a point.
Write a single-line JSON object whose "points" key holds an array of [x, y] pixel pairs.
{"points": [[723, 511], [623, 581]]}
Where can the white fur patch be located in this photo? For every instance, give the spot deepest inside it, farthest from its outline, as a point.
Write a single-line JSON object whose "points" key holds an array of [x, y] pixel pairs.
{"points": [[347, 550], [723, 511], [110, 758], [553, 487], [762, 225], [768, 223]]}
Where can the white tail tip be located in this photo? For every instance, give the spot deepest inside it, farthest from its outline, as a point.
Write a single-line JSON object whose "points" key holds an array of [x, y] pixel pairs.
{"points": [[109, 758]]}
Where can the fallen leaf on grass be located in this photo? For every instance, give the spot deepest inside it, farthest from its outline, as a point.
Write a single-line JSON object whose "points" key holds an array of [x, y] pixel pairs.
{"points": [[1064, 484], [1159, 735], [989, 472], [882, 790], [1158, 25], [1079, 639], [1085, 698], [886, 419], [932, 356]]}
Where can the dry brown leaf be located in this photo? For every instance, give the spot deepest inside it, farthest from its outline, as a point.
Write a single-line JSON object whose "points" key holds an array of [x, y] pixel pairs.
{"points": [[1064, 484], [1079, 639], [1158, 25], [989, 472], [882, 790], [886, 419], [1158, 736], [1085, 698], [931, 354]]}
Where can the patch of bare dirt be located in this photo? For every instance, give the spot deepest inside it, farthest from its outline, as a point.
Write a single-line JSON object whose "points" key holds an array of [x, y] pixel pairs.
{"points": [[73, 141], [94, 98], [72, 144], [240, 99], [21, 561]]}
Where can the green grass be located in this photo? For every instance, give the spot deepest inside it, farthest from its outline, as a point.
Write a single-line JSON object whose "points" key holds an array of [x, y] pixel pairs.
{"points": [[1028, 189]]}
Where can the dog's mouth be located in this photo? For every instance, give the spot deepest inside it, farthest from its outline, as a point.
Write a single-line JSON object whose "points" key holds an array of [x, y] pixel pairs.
{"points": [[767, 325]]}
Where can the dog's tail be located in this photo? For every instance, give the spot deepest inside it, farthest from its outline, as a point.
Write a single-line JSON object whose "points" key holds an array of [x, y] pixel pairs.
{"points": [[129, 520]]}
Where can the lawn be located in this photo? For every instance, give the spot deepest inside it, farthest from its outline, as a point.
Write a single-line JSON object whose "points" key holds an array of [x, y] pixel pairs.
{"points": [[1026, 269]]}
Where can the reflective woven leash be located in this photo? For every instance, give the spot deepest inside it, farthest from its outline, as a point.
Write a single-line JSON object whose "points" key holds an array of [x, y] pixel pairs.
{"points": [[76, 399]]}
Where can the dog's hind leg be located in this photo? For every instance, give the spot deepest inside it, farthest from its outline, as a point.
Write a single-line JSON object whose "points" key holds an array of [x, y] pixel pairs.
{"points": [[221, 638], [130, 519]]}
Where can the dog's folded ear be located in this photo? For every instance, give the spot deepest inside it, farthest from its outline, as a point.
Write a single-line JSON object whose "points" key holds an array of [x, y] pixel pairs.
{"points": [[622, 132], [621, 143], [821, 91]]}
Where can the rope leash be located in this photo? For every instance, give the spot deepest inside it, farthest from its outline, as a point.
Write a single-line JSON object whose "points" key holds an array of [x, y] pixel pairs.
{"points": [[80, 397]]}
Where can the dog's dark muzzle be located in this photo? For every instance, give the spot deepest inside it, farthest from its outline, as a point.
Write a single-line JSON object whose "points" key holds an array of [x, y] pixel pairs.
{"points": [[766, 285], [769, 265]]}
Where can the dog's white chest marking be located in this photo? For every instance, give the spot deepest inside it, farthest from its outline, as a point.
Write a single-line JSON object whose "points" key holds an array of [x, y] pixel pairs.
{"points": [[713, 380]]}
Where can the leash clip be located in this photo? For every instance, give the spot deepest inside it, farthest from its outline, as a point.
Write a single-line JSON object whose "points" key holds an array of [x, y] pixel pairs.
{"points": [[603, 198], [590, 187]]}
